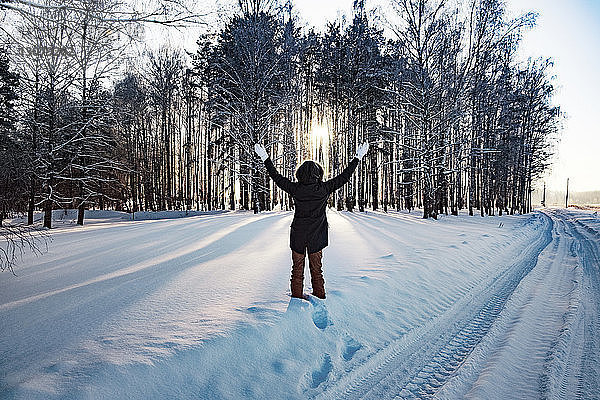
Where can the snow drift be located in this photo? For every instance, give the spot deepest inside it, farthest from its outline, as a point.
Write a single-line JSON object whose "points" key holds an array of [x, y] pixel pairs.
{"points": [[199, 307]]}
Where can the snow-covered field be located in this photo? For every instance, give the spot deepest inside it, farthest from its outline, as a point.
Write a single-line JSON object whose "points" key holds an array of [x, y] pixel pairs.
{"points": [[199, 307]]}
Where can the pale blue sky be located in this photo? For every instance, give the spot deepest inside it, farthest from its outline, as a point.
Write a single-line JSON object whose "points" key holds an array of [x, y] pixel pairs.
{"points": [[569, 32]]}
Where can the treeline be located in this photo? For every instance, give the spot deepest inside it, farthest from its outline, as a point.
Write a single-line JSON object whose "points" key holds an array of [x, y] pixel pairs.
{"points": [[454, 120], [558, 198]]}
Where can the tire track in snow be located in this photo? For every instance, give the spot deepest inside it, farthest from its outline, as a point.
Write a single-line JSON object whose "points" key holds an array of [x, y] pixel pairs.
{"points": [[561, 364], [536, 348], [451, 357], [419, 363], [588, 251], [522, 354], [555, 342]]}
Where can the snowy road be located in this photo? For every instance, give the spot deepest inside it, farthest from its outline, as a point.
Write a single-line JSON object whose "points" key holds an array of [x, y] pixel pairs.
{"points": [[530, 332], [464, 307]]}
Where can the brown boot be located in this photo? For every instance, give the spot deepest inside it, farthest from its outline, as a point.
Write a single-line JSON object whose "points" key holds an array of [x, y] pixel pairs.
{"points": [[316, 274], [297, 280]]}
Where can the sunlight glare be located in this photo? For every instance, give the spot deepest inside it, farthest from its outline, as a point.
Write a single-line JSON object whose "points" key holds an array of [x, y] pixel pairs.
{"points": [[320, 132], [319, 143]]}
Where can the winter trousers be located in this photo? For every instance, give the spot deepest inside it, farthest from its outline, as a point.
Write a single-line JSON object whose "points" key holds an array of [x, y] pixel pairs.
{"points": [[316, 274]]}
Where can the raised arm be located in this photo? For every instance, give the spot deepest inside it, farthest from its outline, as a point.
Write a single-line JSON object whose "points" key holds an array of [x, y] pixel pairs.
{"points": [[281, 181], [340, 180], [335, 183]]}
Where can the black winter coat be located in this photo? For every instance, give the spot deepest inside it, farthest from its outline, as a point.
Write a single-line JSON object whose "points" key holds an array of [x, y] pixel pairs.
{"points": [[310, 193]]}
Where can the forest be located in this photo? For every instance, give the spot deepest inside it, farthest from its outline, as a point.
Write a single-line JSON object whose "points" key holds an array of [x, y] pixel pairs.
{"points": [[454, 119]]}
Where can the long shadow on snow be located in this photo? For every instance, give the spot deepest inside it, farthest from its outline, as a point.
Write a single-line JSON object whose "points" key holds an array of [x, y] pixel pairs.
{"points": [[67, 320], [136, 231]]}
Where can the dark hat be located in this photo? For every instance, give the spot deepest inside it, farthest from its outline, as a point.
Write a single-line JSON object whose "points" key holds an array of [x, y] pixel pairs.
{"points": [[309, 172]]}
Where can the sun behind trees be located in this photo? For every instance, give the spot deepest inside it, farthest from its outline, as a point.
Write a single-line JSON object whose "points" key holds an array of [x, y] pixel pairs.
{"points": [[453, 119]]}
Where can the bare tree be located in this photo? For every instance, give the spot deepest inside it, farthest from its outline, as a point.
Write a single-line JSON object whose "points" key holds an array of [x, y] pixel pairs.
{"points": [[454, 119], [15, 240], [248, 92], [162, 12]]}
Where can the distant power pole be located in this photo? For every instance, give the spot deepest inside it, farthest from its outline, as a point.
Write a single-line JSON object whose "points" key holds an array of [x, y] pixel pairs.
{"points": [[544, 196], [567, 196]]}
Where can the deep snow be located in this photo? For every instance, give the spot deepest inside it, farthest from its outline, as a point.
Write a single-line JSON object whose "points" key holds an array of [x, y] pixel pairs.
{"points": [[199, 307]]}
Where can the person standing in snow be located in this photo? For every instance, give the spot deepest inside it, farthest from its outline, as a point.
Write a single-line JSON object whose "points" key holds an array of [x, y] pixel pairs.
{"points": [[308, 232]]}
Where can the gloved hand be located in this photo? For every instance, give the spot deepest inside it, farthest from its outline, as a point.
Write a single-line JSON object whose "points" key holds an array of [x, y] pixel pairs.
{"points": [[362, 150], [260, 150]]}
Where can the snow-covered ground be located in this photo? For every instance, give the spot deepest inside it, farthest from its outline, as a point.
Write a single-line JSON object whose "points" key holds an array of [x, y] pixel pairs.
{"points": [[68, 217], [199, 307]]}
